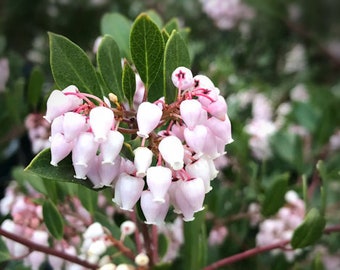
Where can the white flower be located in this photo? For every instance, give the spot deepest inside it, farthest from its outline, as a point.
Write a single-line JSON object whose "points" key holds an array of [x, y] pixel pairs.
{"points": [[172, 151], [148, 117], [101, 121]]}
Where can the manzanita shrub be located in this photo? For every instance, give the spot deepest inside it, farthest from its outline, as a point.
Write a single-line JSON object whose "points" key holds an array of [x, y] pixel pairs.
{"points": [[135, 141]]}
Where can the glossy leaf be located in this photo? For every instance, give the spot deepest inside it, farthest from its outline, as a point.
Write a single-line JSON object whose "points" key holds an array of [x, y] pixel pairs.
{"points": [[274, 196], [70, 65], [310, 230], [147, 49], [110, 67], [129, 82], [35, 84], [176, 54], [195, 243], [53, 220]]}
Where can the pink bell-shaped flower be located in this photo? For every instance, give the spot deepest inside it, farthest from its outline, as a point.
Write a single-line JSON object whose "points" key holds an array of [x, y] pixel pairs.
{"points": [[172, 196], [200, 168], [57, 104], [57, 126], [218, 108], [60, 148], [73, 125], [101, 121], [84, 150], [148, 117], [190, 111], [128, 190], [93, 172], [196, 138], [154, 212], [221, 129], [172, 151], [74, 99], [158, 179], [182, 78], [142, 160], [111, 148], [189, 197], [178, 131], [109, 171], [203, 82]]}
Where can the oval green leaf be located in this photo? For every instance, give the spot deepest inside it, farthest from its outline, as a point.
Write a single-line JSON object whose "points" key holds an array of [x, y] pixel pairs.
{"points": [[35, 85], [129, 82], [53, 220], [70, 65], [310, 230], [110, 67]]}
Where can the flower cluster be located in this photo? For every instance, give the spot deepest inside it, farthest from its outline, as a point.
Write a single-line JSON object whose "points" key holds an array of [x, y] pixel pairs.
{"points": [[38, 132], [283, 224], [173, 162], [226, 14]]}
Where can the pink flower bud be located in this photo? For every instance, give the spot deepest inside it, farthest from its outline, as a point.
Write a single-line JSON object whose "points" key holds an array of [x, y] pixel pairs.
{"points": [[221, 129], [190, 111], [73, 125], [128, 190], [218, 108], [57, 104], [148, 117], [190, 197], [111, 148], [158, 179], [128, 227], [101, 121], [153, 211], [93, 172], [172, 151], [202, 81], [178, 131], [75, 100], [60, 148], [93, 231], [142, 160], [139, 93], [84, 150], [196, 138], [182, 78]]}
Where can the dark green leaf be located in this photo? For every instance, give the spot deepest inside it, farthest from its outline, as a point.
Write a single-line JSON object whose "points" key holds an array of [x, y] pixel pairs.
{"points": [[34, 180], [195, 243], [155, 17], [71, 66], [176, 54], [40, 165], [163, 244], [35, 84], [310, 230], [118, 27], [306, 115], [53, 220], [88, 198], [14, 102], [171, 25], [129, 82], [274, 196], [165, 35], [110, 67], [147, 49], [4, 254]]}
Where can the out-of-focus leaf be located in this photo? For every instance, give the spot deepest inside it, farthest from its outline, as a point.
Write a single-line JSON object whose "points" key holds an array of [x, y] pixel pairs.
{"points": [[306, 115], [155, 17], [53, 219], [35, 84], [15, 106], [309, 231], [71, 66], [163, 244], [22, 176], [129, 82], [4, 254], [88, 198], [118, 27], [274, 196], [171, 25]]}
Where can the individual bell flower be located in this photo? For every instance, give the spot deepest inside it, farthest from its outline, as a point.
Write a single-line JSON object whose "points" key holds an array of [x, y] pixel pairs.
{"points": [[128, 227], [97, 247], [95, 230], [159, 180], [218, 108], [200, 168], [178, 131], [101, 120], [109, 171], [172, 196], [221, 129], [93, 173], [57, 126], [111, 148], [154, 211], [148, 117], [172, 151], [60, 148], [57, 104], [128, 190], [196, 138], [76, 101], [84, 150], [73, 125], [142, 160], [142, 260], [182, 78], [203, 82], [189, 197], [190, 111]]}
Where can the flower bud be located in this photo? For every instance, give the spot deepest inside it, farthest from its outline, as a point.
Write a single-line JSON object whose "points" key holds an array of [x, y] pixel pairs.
{"points": [[218, 108], [148, 117], [172, 151], [142, 160], [108, 266], [158, 179], [101, 121], [59, 148], [182, 78], [128, 227], [97, 248], [196, 138], [190, 111], [142, 259], [73, 125], [111, 148], [75, 100], [93, 231], [154, 211], [57, 104]]}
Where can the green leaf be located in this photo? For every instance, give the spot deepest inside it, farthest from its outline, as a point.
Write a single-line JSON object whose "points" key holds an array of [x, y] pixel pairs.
{"points": [[155, 17], [70, 65], [147, 49], [309, 231], [34, 180], [64, 172], [110, 67], [118, 27], [88, 198], [129, 82], [171, 25], [195, 247], [53, 220], [274, 196], [4, 254], [14, 102], [163, 244], [306, 115], [176, 54], [35, 85]]}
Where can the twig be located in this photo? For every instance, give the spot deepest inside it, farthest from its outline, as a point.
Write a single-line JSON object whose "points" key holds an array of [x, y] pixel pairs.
{"points": [[154, 236]]}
